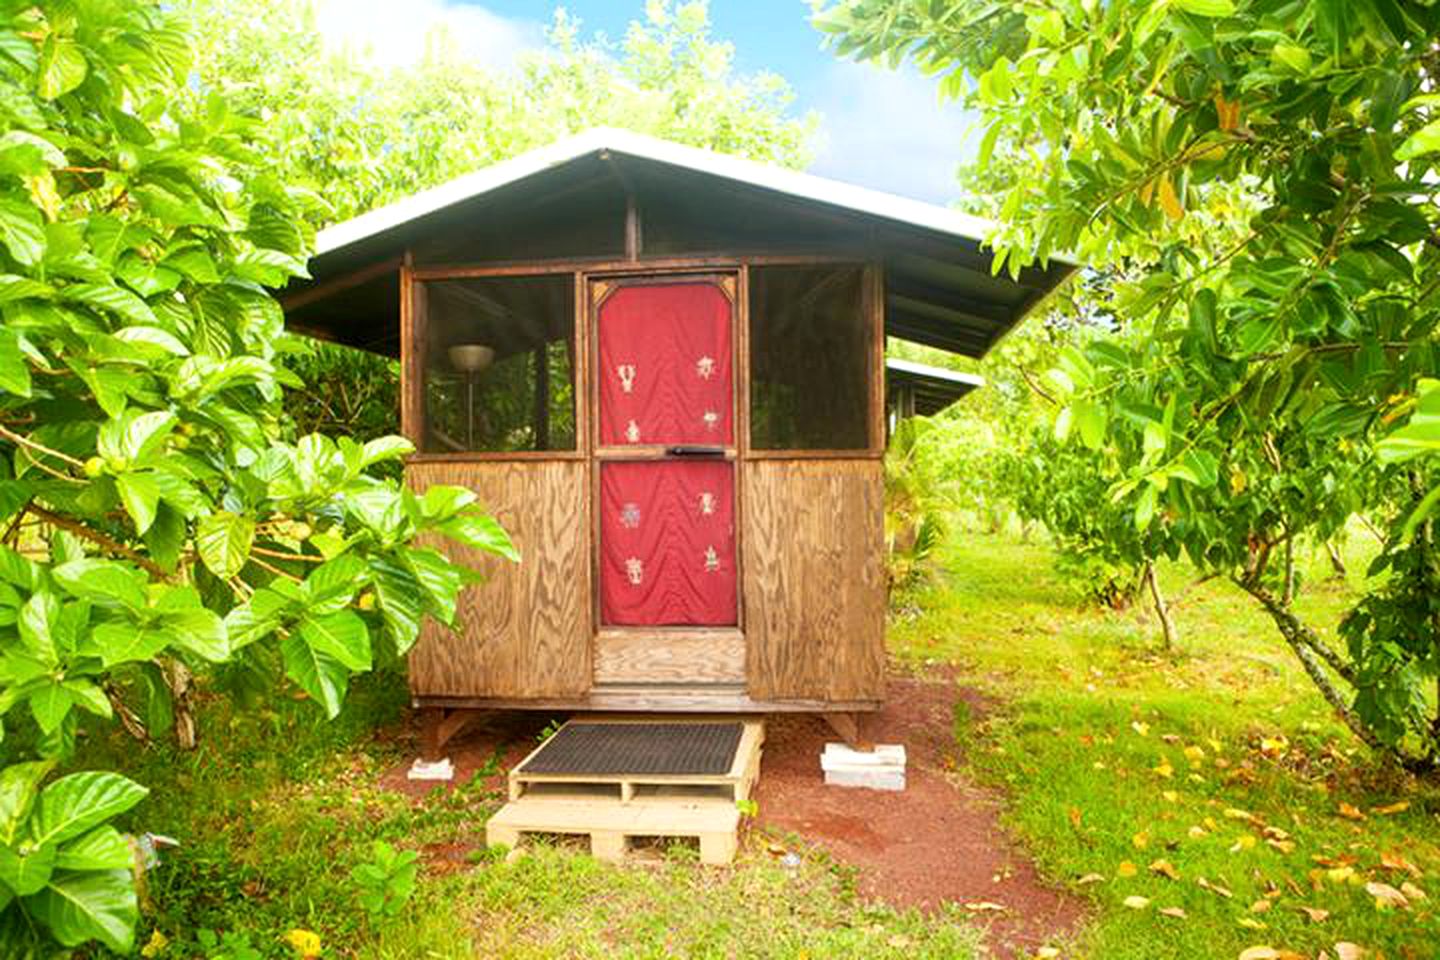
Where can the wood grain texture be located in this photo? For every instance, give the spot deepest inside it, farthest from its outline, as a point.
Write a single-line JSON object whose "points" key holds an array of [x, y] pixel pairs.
{"points": [[669, 656], [814, 581], [525, 633]]}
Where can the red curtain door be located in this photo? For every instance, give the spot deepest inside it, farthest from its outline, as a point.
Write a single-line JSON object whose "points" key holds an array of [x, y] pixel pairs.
{"points": [[665, 366], [667, 543]]}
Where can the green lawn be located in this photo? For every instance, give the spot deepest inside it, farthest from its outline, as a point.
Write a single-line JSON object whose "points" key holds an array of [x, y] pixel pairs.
{"points": [[1216, 762], [1213, 773]]}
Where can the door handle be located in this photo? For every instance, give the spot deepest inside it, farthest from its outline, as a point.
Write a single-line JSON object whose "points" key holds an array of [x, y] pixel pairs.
{"points": [[695, 451]]}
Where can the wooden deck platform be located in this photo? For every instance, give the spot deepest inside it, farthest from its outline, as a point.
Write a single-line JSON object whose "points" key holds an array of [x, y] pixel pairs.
{"points": [[613, 809]]}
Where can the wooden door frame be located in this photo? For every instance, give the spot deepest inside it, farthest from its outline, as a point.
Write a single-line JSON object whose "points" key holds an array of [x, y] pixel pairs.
{"points": [[731, 282]]}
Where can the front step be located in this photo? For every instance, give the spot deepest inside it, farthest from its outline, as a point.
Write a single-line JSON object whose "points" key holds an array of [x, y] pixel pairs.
{"points": [[619, 778]]}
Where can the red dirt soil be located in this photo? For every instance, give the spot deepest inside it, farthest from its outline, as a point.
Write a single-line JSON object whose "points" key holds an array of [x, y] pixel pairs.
{"points": [[938, 842]]}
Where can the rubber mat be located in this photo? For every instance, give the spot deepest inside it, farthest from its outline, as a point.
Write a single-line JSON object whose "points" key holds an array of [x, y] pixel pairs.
{"points": [[666, 749]]}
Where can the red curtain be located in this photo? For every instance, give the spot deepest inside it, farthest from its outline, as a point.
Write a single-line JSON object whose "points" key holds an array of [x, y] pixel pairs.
{"points": [[667, 536], [665, 366]]}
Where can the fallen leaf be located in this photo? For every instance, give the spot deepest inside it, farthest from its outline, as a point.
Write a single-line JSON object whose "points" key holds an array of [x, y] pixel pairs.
{"points": [[1136, 903], [1394, 861], [1177, 912], [1412, 892], [1386, 895], [1350, 812], [986, 906], [1214, 888], [1348, 951], [1260, 906], [1339, 874], [1126, 869], [1196, 832], [1091, 878], [1315, 914], [1047, 953], [1259, 953], [1385, 811], [1075, 815], [1165, 868], [1164, 770], [1170, 796], [1235, 813], [1141, 840], [1245, 842], [1140, 727], [1250, 923]]}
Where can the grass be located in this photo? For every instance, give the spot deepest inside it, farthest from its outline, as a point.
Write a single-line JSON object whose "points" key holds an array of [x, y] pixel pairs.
{"points": [[1128, 772], [1133, 773]]}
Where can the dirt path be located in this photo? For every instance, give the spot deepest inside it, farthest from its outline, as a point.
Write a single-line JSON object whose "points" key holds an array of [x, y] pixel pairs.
{"points": [[938, 842]]}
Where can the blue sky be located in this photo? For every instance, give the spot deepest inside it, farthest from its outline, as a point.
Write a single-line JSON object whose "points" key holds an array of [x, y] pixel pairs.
{"points": [[880, 128]]}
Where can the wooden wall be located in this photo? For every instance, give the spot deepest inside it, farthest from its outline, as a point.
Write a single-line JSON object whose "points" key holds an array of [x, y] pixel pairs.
{"points": [[814, 579], [526, 632]]}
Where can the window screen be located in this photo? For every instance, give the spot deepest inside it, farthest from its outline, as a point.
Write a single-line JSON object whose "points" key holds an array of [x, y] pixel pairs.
{"points": [[499, 362], [809, 359]]}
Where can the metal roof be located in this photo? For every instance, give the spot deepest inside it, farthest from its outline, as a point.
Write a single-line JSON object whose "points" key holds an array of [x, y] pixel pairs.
{"points": [[933, 388], [568, 201]]}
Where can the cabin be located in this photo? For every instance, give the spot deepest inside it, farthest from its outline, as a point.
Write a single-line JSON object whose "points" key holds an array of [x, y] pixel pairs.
{"points": [[664, 370]]}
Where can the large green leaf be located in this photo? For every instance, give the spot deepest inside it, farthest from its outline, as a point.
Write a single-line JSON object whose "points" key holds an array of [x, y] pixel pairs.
{"points": [[140, 493], [14, 370], [224, 540], [89, 905], [103, 580], [62, 68], [19, 786], [76, 803], [22, 230], [342, 636], [333, 584], [123, 642], [50, 703], [27, 870], [200, 631], [321, 676], [101, 849], [133, 435], [482, 532]]}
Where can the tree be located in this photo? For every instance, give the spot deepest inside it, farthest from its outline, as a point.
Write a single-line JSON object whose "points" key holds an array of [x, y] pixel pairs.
{"points": [[157, 515], [1275, 348]]}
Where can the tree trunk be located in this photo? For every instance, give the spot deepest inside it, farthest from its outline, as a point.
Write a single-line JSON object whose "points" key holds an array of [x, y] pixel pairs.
{"points": [[178, 679], [1288, 596], [1162, 610]]}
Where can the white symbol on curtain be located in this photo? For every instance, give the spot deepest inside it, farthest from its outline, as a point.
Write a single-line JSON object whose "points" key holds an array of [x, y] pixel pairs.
{"points": [[707, 503], [630, 516], [634, 570], [705, 367], [626, 371], [632, 432], [712, 560], [712, 419]]}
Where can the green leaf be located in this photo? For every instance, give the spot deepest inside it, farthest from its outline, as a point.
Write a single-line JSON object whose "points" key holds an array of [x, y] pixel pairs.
{"points": [[1207, 8], [22, 230], [1294, 57], [50, 704], [333, 584], [401, 600], [133, 436], [106, 581], [91, 905], [79, 802], [482, 532], [14, 371], [87, 696], [322, 677], [200, 631], [117, 643], [1423, 141], [101, 849], [27, 872], [224, 541], [19, 785], [62, 68], [108, 297], [140, 493], [342, 636], [153, 336]]}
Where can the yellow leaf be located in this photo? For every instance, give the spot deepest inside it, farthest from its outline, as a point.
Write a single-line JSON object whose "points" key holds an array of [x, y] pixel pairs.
{"points": [[1250, 923], [1386, 811], [1339, 874], [1170, 796], [1348, 951], [1196, 832], [1412, 892], [1136, 902], [1177, 912], [1350, 811], [1170, 200], [1245, 842], [1215, 888], [1235, 813], [1165, 868], [1074, 815], [1091, 878], [305, 942], [1164, 769], [986, 906], [1386, 896], [1195, 755], [1047, 953], [1315, 914], [156, 945], [1141, 840], [1260, 906], [1126, 869], [1259, 953], [1140, 727], [1227, 113]]}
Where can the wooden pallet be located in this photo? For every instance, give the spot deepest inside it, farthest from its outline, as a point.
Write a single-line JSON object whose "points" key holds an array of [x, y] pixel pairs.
{"points": [[611, 825], [732, 786]]}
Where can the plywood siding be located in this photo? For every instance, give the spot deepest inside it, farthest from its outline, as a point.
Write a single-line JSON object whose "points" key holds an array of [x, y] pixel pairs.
{"points": [[670, 656], [526, 631], [814, 580]]}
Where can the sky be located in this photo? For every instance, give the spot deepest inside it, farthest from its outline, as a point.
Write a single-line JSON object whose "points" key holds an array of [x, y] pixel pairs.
{"points": [[880, 128]]}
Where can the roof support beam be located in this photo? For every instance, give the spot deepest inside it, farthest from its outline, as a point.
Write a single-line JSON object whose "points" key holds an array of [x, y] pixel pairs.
{"points": [[328, 288]]}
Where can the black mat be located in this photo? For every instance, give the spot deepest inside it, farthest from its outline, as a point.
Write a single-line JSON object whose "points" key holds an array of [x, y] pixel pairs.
{"points": [[691, 749]]}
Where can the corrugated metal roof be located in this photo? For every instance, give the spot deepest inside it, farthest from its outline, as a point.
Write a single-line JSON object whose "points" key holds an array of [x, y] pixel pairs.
{"points": [[566, 202], [933, 388]]}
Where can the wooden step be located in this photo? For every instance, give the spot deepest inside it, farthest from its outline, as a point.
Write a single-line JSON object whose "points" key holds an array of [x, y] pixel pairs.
{"points": [[611, 825]]}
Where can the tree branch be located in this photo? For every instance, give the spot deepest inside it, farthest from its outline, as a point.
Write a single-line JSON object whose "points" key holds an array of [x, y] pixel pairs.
{"points": [[99, 539]]}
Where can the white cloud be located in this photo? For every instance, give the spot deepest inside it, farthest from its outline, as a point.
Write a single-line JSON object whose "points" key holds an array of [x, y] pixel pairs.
{"points": [[887, 129], [393, 33]]}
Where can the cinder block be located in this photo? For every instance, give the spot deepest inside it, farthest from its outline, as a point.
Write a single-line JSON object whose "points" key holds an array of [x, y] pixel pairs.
{"points": [[880, 769]]}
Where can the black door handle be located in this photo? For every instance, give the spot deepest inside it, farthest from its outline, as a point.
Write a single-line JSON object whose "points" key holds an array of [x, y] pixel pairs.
{"points": [[695, 451]]}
